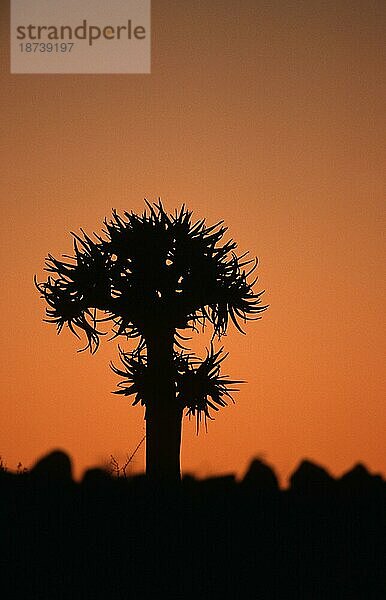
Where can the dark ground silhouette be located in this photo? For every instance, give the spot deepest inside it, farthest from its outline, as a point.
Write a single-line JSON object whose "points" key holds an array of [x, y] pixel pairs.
{"points": [[216, 538]]}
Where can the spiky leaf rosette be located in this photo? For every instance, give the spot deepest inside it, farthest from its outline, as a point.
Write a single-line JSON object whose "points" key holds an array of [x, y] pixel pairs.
{"points": [[77, 288], [149, 273], [199, 383], [137, 380]]}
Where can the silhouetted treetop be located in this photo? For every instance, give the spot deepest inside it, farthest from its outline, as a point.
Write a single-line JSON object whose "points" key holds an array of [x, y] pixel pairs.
{"points": [[180, 267]]}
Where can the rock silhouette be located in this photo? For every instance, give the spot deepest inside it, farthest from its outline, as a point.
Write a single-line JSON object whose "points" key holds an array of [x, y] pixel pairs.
{"points": [[260, 477], [55, 468], [310, 478], [359, 480]]}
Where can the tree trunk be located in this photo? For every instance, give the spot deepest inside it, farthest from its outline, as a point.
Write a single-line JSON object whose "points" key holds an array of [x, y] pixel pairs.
{"points": [[163, 416]]}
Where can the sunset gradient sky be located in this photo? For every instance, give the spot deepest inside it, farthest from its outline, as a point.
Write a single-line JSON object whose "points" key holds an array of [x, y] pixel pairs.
{"points": [[267, 114]]}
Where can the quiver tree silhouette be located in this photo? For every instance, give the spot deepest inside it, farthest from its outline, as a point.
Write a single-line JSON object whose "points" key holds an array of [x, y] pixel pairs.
{"points": [[152, 276]]}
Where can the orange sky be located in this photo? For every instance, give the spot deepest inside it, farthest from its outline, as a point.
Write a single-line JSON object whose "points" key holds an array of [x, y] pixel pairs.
{"points": [[269, 115]]}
